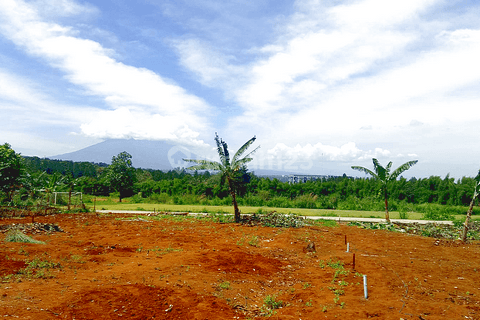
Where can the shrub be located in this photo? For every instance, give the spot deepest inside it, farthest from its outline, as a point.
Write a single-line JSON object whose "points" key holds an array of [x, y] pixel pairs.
{"points": [[279, 202], [307, 201], [275, 219], [160, 198], [433, 211], [137, 198]]}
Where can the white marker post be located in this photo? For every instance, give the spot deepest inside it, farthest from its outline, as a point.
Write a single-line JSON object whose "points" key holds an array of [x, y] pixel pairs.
{"points": [[348, 247], [365, 290]]}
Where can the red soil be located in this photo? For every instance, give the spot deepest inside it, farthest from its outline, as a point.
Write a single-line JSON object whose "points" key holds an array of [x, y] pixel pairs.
{"points": [[192, 269]]}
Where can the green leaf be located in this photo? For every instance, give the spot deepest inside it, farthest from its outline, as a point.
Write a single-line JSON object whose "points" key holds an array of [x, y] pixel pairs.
{"points": [[404, 167], [365, 170]]}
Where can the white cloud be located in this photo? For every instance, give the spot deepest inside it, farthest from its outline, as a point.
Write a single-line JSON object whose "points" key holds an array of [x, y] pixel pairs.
{"points": [[126, 123], [91, 66], [62, 8], [210, 65], [23, 101], [337, 81], [14, 88], [306, 66], [319, 151], [345, 90], [310, 157], [371, 14], [325, 54], [31, 143], [368, 72]]}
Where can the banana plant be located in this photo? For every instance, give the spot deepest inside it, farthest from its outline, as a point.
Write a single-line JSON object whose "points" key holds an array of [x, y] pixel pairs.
{"points": [[384, 176], [52, 183], [230, 169]]}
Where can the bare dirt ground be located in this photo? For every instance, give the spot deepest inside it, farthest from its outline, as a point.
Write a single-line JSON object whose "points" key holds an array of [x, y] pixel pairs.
{"points": [[101, 267]]}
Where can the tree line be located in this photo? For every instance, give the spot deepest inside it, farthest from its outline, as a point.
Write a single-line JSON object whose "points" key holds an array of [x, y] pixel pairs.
{"points": [[182, 186]]}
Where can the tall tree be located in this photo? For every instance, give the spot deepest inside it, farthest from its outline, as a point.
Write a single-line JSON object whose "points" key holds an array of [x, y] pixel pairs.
{"points": [[231, 170], [384, 176], [121, 175], [476, 193], [11, 170]]}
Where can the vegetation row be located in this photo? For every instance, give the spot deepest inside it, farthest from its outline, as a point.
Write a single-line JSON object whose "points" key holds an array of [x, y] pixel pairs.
{"points": [[436, 197]]}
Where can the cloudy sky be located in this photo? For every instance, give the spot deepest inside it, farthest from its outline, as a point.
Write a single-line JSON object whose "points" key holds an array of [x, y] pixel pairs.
{"points": [[322, 84]]}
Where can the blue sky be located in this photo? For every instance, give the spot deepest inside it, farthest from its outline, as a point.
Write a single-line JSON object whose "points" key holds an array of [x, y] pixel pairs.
{"points": [[322, 84]]}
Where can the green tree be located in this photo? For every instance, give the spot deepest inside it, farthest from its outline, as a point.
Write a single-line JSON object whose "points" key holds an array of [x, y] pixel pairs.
{"points": [[51, 184], [11, 170], [476, 192], [231, 170], [385, 177], [69, 182], [121, 175]]}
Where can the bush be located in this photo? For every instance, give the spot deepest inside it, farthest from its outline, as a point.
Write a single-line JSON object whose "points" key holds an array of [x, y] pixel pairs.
{"points": [[438, 210], [253, 201], [363, 204], [137, 198], [160, 198], [275, 219], [307, 201], [278, 202], [433, 211]]}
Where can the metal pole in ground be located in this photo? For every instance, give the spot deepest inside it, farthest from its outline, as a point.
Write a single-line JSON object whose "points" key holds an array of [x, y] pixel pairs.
{"points": [[365, 290]]}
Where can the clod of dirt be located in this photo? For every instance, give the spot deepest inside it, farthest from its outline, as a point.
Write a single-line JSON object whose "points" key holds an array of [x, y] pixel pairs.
{"points": [[310, 247]]}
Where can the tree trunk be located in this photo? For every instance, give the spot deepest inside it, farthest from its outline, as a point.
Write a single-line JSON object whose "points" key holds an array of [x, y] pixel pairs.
{"points": [[234, 201], [469, 215], [387, 215]]}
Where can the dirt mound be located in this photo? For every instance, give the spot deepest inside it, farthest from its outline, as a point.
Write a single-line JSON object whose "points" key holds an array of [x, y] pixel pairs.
{"points": [[8, 266], [237, 261], [143, 302]]}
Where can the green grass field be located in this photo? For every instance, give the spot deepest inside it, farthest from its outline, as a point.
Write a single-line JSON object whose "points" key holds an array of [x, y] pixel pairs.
{"points": [[108, 205]]}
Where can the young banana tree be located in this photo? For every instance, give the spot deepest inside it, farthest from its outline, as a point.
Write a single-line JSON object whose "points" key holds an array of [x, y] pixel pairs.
{"points": [[383, 174], [51, 184], [476, 193], [228, 167]]}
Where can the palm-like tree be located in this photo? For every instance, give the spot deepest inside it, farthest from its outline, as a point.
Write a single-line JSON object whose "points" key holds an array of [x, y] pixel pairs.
{"points": [[51, 184], [384, 176], [476, 193], [228, 167]]}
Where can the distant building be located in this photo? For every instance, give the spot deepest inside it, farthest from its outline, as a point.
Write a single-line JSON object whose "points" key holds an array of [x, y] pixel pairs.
{"points": [[302, 178]]}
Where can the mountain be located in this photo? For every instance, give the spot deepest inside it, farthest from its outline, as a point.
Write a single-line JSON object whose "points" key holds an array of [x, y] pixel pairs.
{"points": [[159, 155], [145, 154]]}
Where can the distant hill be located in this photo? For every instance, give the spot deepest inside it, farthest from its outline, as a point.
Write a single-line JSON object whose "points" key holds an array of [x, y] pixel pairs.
{"points": [[145, 154], [158, 155]]}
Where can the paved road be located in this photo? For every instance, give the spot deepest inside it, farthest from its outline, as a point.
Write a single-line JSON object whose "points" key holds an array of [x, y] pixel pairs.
{"points": [[338, 219]]}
